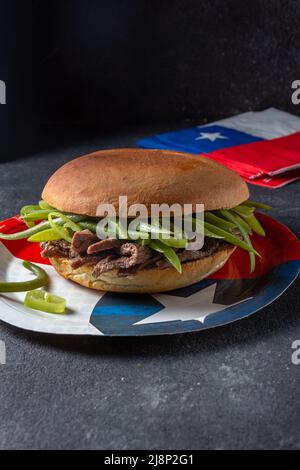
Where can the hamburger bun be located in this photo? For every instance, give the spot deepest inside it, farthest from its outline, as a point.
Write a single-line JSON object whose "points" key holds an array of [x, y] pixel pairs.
{"points": [[146, 280], [145, 177]]}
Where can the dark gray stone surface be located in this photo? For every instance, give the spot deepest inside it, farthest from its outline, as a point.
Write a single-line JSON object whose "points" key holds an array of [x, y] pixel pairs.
{"points": [[231, 387]]}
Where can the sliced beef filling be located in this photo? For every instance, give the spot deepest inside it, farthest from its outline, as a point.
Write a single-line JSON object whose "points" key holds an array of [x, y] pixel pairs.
{"points": [[55, 249], [126, 257], [131, 255], [211, 245], [81, 241], [151, 263], [103, 245]]}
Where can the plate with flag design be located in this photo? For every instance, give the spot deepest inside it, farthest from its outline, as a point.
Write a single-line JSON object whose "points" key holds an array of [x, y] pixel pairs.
{"points": [[230, 294]]}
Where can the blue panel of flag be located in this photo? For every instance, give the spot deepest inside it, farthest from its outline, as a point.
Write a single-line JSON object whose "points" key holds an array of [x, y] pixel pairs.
{"points": [[199, 139]]}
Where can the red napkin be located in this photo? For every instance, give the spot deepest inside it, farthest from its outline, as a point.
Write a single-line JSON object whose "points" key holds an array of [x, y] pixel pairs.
{"points": [[270, 163]]}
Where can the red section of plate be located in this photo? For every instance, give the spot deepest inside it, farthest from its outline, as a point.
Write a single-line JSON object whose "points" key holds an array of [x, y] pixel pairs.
{"points": [[278, 246], [21, 248]]}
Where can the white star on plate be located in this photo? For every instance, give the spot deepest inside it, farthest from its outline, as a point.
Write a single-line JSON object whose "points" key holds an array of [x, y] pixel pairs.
{"points": [[212, 136], [195, 307]]}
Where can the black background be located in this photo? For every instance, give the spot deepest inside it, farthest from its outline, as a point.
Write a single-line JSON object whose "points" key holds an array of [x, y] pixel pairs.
{"points": [[84, 66]]}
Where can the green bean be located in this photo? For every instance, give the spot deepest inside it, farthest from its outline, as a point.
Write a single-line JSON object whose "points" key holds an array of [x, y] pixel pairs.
{"points": [[168, 252], [28, 209], [258, 205], [62, 232], [145, 228], [29, 223], [244, 223], [178, 231], [45, 225], [92, 226], [45, 236], [66, 220], [116, 229], [138, 235], [218, 221], [153, 228], [25, 233], [203, 229], [209, 233], [23, 286], [251, 221], [45, 206], [36, 215], [233, 219], [232, 239], [170, 238], [245, 210], [206, 232], [121, 230], [73, 217], [174, 242], [256, 226]]}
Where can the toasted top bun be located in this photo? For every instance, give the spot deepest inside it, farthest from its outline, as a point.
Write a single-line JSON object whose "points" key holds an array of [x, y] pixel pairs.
{"points": [[145, 177]]}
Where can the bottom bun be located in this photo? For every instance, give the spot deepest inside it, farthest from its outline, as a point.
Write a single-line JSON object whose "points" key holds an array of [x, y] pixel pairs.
{"points": [[145, 280]]}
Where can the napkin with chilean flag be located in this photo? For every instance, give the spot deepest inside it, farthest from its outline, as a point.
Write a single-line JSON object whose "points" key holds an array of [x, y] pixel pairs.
{"points": [[263, 147]]}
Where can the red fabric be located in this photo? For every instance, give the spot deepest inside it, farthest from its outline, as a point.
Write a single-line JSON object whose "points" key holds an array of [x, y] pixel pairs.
{"points": [[267, 181], [264, 157], [258, 161], [277, 181]]}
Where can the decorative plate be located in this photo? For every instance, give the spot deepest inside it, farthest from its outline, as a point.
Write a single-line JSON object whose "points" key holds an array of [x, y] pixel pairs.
{"points": [[229, 295]]}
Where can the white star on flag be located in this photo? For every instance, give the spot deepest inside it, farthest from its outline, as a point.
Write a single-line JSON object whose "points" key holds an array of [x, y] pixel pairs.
{"points": [[212, 136], [195, 307]]}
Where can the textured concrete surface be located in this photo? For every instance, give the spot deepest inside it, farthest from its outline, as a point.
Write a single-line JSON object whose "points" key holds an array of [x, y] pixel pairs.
{"points": [[232, 387]]}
